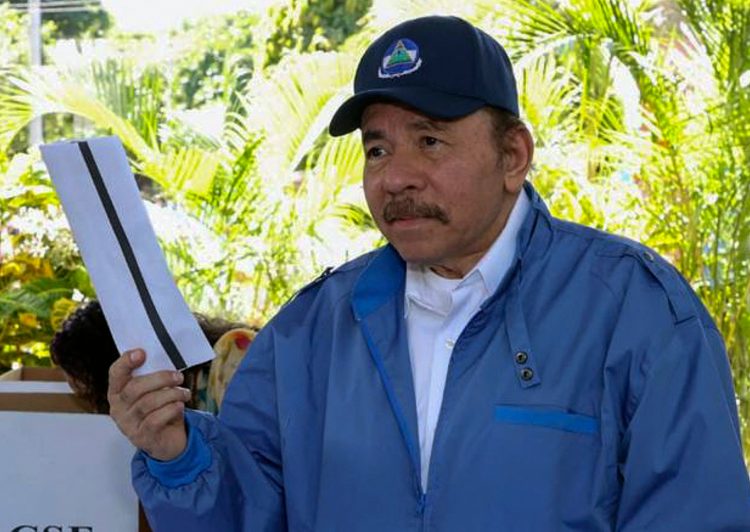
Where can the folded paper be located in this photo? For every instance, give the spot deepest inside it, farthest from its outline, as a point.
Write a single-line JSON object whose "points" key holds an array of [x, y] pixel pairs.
{"points": [[142, 304]]}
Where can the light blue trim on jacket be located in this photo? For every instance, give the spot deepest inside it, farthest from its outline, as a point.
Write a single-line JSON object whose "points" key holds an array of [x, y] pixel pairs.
{"points": [[186, 467], [547, 418]]}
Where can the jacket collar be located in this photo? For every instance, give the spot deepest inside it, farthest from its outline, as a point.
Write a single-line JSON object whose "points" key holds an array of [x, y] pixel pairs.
{"points": [[381, 280], [535, 234]]}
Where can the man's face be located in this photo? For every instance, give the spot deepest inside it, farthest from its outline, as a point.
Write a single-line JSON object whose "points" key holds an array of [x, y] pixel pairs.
{"points": [[437, 189]]}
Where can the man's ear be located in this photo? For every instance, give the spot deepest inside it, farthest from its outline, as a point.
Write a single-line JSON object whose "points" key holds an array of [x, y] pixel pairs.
{"points": [[517, 154]]}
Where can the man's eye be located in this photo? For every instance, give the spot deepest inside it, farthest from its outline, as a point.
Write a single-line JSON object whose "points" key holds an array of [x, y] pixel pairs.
{"points": [[430, 141], [375, 152]]}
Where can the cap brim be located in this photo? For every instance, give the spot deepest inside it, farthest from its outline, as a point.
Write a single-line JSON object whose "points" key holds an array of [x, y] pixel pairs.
{"points": [[435, 104]]}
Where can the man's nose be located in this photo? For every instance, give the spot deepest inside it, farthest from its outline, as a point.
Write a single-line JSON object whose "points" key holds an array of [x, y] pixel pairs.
{"points": [[403, 173]]}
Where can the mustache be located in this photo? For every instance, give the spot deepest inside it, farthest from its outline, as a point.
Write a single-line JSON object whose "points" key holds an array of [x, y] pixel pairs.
{"points": [[404, 208]]}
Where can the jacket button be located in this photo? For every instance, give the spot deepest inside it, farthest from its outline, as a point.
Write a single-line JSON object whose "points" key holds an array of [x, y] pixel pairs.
{"points": [[521, 357], [648, 256], [527, 374]]}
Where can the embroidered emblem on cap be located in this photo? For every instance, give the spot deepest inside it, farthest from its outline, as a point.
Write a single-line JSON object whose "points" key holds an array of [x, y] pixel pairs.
{"points": [[401, 58]]}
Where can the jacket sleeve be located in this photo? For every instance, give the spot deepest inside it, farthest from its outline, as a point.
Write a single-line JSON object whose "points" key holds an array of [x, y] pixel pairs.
{"points": [[229, 478], [681, 464]]}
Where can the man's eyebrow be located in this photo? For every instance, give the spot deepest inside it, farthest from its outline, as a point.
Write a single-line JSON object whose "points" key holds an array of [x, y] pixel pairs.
{"points": [[421, 124], [372, 134], [426, 124]]}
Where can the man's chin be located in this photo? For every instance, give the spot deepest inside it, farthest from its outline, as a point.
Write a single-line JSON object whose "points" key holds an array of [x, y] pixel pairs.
{"points": [[413, 254]]}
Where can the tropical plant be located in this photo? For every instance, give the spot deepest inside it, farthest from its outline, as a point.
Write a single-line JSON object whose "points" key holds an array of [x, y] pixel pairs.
{"points": [[215, 60], [12, 39], [64, 24], [41, 276], [308, 26]]}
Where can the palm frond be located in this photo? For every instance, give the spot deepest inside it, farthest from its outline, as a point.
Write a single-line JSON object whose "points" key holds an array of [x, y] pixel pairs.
{"points": [[51, 91], [137, 97], [183, 170], [17, 107], [291, 108], [356, 216], [723, 28], [547, 93]]}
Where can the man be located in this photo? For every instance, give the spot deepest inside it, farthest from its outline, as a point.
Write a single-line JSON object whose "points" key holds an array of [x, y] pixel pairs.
{"points": [[492, 368]]}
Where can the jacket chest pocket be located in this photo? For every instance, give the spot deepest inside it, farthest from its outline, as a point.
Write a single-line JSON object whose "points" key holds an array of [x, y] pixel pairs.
{"points": [[551, 441], [538, 467], [551, 457]]}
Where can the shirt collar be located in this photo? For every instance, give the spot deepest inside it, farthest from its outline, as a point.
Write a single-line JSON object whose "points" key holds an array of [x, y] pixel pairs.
{"points": [[427, 289]]}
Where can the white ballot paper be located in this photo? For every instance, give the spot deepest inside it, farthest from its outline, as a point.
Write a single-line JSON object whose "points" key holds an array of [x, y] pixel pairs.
{"points": [[141, 302]]}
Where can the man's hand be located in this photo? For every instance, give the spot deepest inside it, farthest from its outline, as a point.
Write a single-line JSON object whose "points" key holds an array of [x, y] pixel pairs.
{"points": [[149, 410]]}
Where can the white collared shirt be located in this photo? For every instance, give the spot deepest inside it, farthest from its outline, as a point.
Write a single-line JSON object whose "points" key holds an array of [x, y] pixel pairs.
{"points": [[437, 310]]}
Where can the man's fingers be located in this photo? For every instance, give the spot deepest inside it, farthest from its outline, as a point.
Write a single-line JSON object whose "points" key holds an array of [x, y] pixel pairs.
{"points": [[140, 386], [148, 409], [121, 370], [157, 399], [126, 390], [161, 417]]}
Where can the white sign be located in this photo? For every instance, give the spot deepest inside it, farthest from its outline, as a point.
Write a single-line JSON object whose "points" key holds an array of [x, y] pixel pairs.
{"points": [[141, 302], [70, 471]]}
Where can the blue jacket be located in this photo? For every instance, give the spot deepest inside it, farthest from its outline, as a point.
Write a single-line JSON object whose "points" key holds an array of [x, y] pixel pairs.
{"points": [[590, 392]]}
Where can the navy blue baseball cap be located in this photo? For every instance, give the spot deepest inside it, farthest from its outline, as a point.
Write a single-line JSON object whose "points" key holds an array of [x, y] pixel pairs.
{"points": [[441, 66]]}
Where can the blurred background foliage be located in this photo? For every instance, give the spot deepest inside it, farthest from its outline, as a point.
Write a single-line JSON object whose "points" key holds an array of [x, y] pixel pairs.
{"points": [[62, 23], [639, 109]]}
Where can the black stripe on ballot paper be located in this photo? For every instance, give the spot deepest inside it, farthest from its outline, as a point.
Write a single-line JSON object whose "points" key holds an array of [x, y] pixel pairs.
{"points": [[114, 220]]}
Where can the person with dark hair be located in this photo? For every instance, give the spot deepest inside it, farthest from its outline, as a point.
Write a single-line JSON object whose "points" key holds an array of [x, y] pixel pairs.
{"points": [[84, 349], [492, 368]]}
